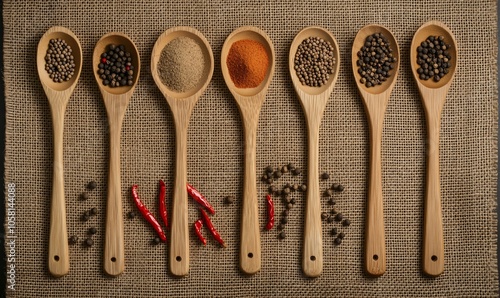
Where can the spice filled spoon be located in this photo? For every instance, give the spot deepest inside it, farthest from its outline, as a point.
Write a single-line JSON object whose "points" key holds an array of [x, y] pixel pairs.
{"points": [[58, 94], [433, 93], [182, 94], [116, 99], [313, 101], [375, 99], [247, 62]]}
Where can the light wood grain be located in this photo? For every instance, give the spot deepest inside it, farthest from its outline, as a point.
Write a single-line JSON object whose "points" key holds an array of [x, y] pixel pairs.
{"points": [[58, 95], [116, 101], [249, 102], [375, 100], [181, 105], [313, 101], [433, 98]]}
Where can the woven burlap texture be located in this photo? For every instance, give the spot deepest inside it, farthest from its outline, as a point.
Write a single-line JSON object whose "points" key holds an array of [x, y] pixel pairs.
{"points": [[215, 153]]}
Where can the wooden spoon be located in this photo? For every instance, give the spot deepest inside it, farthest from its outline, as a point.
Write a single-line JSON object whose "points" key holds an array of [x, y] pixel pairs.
{"points": [[313, 100], [249, 102], [181, 105], [375, 100], [58, 95], [116, 101], [433, 98]]}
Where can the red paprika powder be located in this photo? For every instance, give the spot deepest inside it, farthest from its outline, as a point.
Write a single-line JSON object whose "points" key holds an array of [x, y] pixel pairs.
{"points": [[247, 63]]}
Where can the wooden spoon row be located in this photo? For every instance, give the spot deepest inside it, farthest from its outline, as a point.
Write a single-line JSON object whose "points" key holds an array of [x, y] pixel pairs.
{"points": [[249, 101]]}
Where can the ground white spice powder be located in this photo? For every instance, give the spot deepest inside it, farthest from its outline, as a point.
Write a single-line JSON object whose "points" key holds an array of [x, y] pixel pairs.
{"points": [[181, 64]]}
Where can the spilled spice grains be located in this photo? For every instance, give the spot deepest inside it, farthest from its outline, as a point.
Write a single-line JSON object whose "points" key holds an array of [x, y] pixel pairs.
{"points": [[247, 62], [181, 64]]}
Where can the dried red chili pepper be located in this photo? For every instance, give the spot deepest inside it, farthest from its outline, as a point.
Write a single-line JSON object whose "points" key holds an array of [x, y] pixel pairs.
{"points": [[163, 207], [147, 215], [211, 228], [270, 213], [197, 229], [199, 198]]}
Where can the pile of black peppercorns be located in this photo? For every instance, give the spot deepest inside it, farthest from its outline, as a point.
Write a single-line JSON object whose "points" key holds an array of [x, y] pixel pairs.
{"points": [[433, 58], [375, 60], [88, 242], [334, 215], [285, 192], [115, 68], [59, 61], [314, 61]]}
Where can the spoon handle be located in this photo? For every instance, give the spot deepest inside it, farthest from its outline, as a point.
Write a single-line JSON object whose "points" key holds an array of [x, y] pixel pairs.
{"points": [[179, 235], [375, 234], [114, 255], [312, 259], [58, 243], [250, 234], [433, 245]]}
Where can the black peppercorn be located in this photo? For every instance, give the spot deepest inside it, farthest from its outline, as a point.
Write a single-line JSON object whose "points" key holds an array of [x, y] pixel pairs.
{"points": [[93, 211], [284, 169], [285, 213], [92, 231], [341, 235], [346, 223], [339, 217], [325, 176], [282, 235], [303, 187], [131, 214], [328, 193], [332, 201], [334, 231], [229, 199], [324, 215], [89, 242], [337, 241], [156, 240], [73, 240], [84, 196], [284, 220], [92, 185], [269, 169]]}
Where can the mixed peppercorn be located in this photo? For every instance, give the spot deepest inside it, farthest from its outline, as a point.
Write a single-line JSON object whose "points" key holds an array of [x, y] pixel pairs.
{"points": [[433, 58], [115, 68]]}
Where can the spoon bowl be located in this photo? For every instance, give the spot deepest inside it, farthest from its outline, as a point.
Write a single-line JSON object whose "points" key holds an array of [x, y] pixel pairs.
{"points": [[181, 105], [433, 96], [375, 100], [249, 102], [58, 95], [116, 101], [313, 101]]}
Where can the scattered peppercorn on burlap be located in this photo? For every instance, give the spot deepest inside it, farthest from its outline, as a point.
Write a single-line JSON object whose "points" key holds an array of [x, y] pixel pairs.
{"points": [[215, 154]]}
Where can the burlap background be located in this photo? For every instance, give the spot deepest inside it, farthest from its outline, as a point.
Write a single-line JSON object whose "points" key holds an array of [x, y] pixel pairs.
{"points": [[215, 146]]}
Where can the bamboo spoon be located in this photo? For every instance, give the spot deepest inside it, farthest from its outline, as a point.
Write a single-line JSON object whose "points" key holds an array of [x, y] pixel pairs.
{"points": [[58, 95], [116, 101], [375, 100], [313, 100], [433, 98], [181, 105], [249, 102]]}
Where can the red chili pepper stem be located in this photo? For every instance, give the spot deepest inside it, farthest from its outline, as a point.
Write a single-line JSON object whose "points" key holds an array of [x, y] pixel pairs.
{"points": [[211, 228], [197, 229], [147, 215], [199, 198], [162, 203], [270, 212]]}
